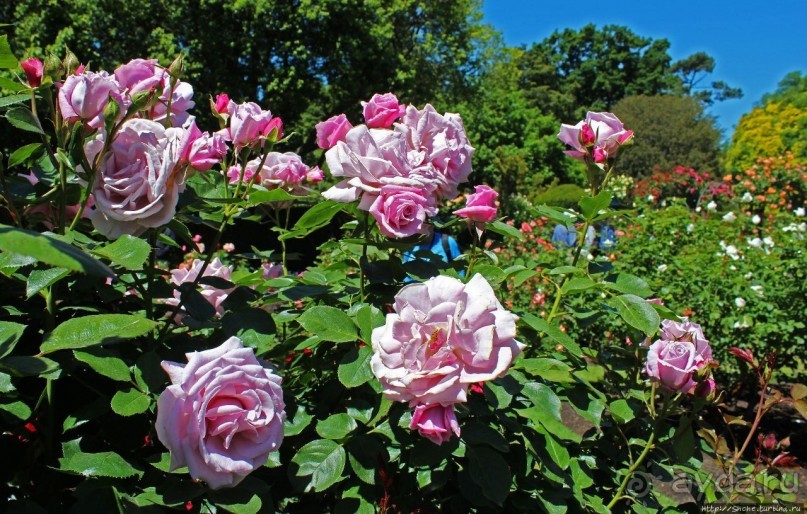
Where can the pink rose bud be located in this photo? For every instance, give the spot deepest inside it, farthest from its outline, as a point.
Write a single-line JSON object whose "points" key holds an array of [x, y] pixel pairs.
{"points": [[275, 124], [332, 130], [600, 155], [435, 422], [315, 175], [768, 441], [480, 206], [382, 110], [705, 388], [626, 138], [33, 69], [657, 301], [587, 135], [222, 101], [80, 69]]}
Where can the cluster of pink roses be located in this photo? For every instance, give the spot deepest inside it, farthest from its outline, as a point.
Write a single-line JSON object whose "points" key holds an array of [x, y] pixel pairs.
{"points": [[596, 139], [442, 337], [675, 360], [279, 170], [188, 274], [397, 164]]}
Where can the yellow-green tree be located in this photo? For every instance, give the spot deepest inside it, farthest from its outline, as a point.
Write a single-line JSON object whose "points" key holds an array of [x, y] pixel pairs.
{"points": [[777, 126]]}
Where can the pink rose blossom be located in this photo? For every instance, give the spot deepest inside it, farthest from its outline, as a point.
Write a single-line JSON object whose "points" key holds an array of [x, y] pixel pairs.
{"points": [[480, 206], [382, 110], [33, 69], [332, 130], [280, 170], [222, 103], [672, 363], [139, 178], [222, 414], [685, 330], [248, 123], [442, 337], [234, 174], [187, 275], [277, 125], [315, 175], [401, 211], [705, 388], [201, 150], [146, 75], [435, 422], [609, 131], [83, 97], [271, 270]]}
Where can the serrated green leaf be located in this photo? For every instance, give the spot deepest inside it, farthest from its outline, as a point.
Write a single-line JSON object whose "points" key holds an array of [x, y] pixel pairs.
{"points": [[50, 251], [637, 313], [317, 216], [354, 368], [105, 363], [590, 206], [28, 366], [96, 329], [104, 464], [10, 333], [127, 251], [490, 472], [22, 153], [629, 284], [17, 409], [322, 462], [553, 332], [505, 230], [7, 59], [24, 119], [621, 411], [301, 420], [130, 402], [328, 324], [336, 426], [39, 279]]}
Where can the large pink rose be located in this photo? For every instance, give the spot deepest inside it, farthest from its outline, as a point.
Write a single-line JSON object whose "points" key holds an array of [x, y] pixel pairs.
{"points": [[248, 123], [443, 336], [83, 97], [382, 110], [599, 135], [187, 275], [332, 130], [201, 150], [674, 363], [280, 170], [686, 330], [480, 206], [438, 147], [146, 75], [435, 422], [368, 159], [401, 211], [139, 179], [222, 414]]}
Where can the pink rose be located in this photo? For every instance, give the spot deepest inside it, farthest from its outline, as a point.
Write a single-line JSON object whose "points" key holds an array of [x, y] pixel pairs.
{"points": [[705, 388], [33, 69], [480, 206], [271, 270], [438, 148], [187, 275], [234, 174], [146, 75], [315, 175], [222, 414], [401, 211], [139, 75], [685, 330], [435, 422], [442, 337], [201, 150], [281, 170], [83, 97], [138, 180], [382, 110], [248, 123], [275, 124], [222, 103], [608, 131], [332, 130], [673, 363]]}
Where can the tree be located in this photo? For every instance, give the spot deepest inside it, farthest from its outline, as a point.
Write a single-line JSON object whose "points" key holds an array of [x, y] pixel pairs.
{"points": [[573, 71], [775, 127], [670, 131]]}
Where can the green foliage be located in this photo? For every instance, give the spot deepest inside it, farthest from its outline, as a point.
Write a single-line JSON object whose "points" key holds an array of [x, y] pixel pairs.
{"points": [[563, 195], [685, 135]]}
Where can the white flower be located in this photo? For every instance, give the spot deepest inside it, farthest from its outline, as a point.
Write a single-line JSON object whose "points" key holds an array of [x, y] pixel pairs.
{"points": [[747, 198], [768, 241], [799, 211], [755, 242], [757, 289], [744, 324], [711, 206], [730, 251], [662, 268], [729, 217], [698, 208], [756, 219], [739, 302], [690, 227], [748, 275], [651, 198], [733, 267]]}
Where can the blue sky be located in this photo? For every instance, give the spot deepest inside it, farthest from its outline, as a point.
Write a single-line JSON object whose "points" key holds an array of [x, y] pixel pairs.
{"points": [[754, 43]]}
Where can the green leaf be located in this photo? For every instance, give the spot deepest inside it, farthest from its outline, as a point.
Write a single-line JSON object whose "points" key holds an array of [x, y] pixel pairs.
{"points": [[797, 392], [22, 153], [637, 313], [621, 411], [5, 383], [490, 472], [11, 85], [546, 411], [10, 333], [250, 497], [557, 452], [5, 101], [321, 460], [329, 324], [127, 251], [354, 368], [39, 279], [555, 215], [314, 218], [336, 426], [363, 455], [96, 329], [195, 303], [368, 318], [17, 409], [104, 464], [130, 402], [105, 363], [590, 206], [301, 420], [553, 332], [263, 196], [629, 284], [578, 284], [24, 119], [551, 370], [476, 434], [50, 251], [28, 366], [505, 230], [7, 59], [565, 270]]}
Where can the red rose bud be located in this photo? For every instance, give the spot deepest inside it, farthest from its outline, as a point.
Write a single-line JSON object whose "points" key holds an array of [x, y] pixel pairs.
{"points": [[33, 68], [587, 135], [745, 355], [599, 155], [769, 441], [222, 101]]}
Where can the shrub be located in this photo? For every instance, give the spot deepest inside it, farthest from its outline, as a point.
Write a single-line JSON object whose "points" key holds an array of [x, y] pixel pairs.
{"points": [[563, 195]]}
